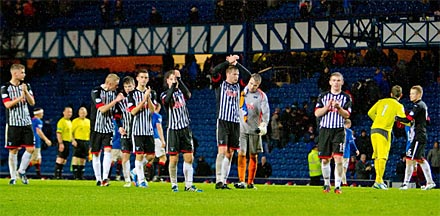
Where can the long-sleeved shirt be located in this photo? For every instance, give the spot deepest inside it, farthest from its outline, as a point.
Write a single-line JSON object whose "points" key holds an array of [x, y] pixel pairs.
{"points": [[253, 111]]}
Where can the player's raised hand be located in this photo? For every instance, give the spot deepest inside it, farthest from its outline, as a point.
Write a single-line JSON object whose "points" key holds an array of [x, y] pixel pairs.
{"points": [[24, 87], [147, 92], [177, 73], [122, 131], [232, 59], [120, 97], [336, 104]]}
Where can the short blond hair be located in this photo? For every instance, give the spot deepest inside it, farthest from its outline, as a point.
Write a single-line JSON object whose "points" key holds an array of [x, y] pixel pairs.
{"points": [[256, 77], [231, 69], [419, 89], [396, 91], [17, 67], [112, 78], [337, 74]]}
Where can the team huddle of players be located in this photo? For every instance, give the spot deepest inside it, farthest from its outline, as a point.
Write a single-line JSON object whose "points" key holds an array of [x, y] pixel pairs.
{"points": [[242, 118]]}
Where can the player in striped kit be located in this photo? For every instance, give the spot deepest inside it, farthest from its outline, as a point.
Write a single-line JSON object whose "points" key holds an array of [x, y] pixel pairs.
{"points": [[16, 95], [104, 99], [123, 120], [228, 119], [141, 103], [333, 107], [254, 117], [179, 136]]}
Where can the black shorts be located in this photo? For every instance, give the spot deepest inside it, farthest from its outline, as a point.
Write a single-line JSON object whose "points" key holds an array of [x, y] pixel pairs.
{"points": [[99, 140], [126, 145], [228, 134], [179, 141], [331, 142], [416, 150], [65, 153], [19, 136], [82, 149], [144, 145]]}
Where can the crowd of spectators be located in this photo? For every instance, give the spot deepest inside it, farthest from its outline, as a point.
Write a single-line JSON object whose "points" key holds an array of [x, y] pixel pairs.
{"points": [[36, 13], [112, 14]]}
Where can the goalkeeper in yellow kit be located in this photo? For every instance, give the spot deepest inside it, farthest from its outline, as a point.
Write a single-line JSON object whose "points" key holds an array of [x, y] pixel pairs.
{"points": [[383, 114]]}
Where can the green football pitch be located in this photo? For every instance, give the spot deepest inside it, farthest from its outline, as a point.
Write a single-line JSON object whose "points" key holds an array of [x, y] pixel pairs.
{"points": [[68, 197]]}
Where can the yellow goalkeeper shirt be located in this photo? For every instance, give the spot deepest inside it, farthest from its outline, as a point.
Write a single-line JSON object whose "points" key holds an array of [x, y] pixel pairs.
{"points": [[384, 111]]}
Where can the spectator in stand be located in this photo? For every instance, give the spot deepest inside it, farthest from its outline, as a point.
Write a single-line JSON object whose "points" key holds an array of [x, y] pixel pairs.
{"points": [[363, 168], [315, 171], [275, 133], [286, 121], [352, 59], [29, 13], [323, 9], [304, 9], [378, 76], [392, 57], [264, 168], [323, 80], [220, 10], [434, 159], [155, 17], [364, 144], [194, 15], [339, 58], [347, 7], [309, 137], [18, 14], [105, 11], [203, 168], [372, 93], [352, 166], [119, 12], [7, 9]]}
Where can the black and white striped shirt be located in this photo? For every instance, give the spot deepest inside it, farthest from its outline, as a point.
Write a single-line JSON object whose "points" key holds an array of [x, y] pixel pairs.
{"points": [[19, 114], [332, 119], [228, 101], [102, 122], [142, 121], [123, 115], [178, 116]]}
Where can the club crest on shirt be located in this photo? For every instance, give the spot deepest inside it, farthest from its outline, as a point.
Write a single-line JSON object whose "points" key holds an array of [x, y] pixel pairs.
{"points": [[231, 93]]}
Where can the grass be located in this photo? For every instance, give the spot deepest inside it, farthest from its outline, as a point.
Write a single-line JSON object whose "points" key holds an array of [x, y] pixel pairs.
{"points": [[68, 197]]}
